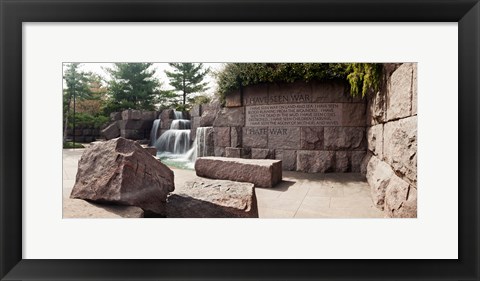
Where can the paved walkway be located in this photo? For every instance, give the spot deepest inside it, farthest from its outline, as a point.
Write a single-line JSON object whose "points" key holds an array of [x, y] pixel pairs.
{"points": [[300, 195]]}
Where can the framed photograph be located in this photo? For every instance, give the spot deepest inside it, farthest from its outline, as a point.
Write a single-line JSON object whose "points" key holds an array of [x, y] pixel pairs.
{"points": [[434, 45]]}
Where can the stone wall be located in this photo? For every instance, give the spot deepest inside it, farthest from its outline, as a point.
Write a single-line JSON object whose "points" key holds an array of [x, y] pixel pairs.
{"points": [[391, 163], [83, 134], [312, 127], [130, 124]]}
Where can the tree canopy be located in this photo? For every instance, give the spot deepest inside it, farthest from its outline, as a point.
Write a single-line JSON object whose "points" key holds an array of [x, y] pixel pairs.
{"points": [[187, 78], [133, 85]]}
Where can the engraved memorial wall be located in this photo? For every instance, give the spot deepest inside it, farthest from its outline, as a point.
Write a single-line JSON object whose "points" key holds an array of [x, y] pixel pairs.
{"points": [[312, 127]]}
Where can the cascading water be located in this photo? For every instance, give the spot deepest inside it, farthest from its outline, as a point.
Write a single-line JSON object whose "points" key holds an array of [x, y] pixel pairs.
{"points": [[176, 140], [200, 145], [173, 146]]}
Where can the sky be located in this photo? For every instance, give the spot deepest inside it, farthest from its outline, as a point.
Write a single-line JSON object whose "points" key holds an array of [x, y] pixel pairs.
{"points": [[99, 68]]}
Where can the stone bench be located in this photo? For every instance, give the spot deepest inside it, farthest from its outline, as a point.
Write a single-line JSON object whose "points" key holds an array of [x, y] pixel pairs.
{"points": [[260, 172], [206, 198]]}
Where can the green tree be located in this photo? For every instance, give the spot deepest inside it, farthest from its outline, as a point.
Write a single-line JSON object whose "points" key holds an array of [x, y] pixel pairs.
{"points": [[187, 78], [76, 86], [133, 85]]}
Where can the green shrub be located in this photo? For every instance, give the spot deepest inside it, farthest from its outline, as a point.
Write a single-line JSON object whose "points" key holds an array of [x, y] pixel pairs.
{"points": [[360, 76], [85, 120], [70, 144]]}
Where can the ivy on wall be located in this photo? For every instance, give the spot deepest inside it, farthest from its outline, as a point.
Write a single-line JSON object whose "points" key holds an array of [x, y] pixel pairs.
{"points": [[360, 76]]}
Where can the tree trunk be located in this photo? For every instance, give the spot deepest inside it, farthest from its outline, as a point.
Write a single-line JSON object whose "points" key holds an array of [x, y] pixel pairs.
{"points": [[184, 91], [66, 120]]}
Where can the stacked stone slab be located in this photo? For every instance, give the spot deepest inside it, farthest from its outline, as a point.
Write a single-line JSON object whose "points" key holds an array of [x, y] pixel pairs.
{"points": [[84, 134], [262, 173], [336, 143], [204, 198], [391, 163], [130, 124]]}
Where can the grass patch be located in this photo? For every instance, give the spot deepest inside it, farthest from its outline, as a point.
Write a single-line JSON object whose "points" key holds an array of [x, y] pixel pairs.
{"points": [[70, 144]]}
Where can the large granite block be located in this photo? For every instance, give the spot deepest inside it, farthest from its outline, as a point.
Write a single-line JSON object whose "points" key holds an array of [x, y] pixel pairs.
{"points": [[204, 198], [288, 157], [311, 138], [222, 136], [315, 161], [262, 173], [255, 137], [284, 137], [341, 138], [400, 147], [230, 117], [399, 97], [375, 140]]}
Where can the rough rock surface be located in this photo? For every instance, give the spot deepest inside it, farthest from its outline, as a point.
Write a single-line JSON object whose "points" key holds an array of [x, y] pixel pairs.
{"points": [[375, 140], [400, 199], [255, 137], [204, 198], [288, 157], [120, 171], [209, 113], [131, 114], [339, 138], [284, 138], [311, 138], [400, 147], [262, 173], [112, 131], [221, 136], [236, 136], [399, 98], [260, 153], [233, 99], [230, 117], [315, 161], [378, 177]]}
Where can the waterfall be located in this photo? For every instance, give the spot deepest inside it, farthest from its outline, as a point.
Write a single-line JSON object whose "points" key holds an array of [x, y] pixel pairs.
{"points": [[154, 132], [176, 140], [173, 145], [203, 144]]}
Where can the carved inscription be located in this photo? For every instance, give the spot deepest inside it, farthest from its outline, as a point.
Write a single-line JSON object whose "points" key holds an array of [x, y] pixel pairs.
{"points": [[302, 114]]}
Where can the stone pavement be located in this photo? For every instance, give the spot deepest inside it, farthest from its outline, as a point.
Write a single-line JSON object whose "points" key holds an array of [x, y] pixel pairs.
{"points": [[299, 195]]}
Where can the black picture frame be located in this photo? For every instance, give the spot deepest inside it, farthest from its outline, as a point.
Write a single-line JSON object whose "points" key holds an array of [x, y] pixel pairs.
{"points": [[14, 12]]}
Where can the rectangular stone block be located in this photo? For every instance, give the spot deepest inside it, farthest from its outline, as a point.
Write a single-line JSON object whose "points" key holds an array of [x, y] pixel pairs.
{"points": [[375, 140], [219, 151], [132, 134], [131, 114], [196, 111], [354, 114], [311, 138], [149, 115], [221, 136], [261, 153], [376, 107], [288, 157], [115, 116], [342, 161], [262, 173], [284, 137], [400, 199], [309, 161], [341, 138], [233, 99], [330, 91], [400, 147], [255, 137], [230, 117], [255, 94], [399, 96], [204, 198], [287, 93], [130, 124], [194, 125], [356, 160], [236, 136], [233, 152], [378, 177]]}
